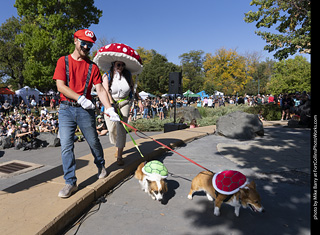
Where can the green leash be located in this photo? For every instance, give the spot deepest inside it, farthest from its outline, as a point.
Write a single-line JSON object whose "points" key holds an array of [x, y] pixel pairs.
{"points": [[125, 127]]}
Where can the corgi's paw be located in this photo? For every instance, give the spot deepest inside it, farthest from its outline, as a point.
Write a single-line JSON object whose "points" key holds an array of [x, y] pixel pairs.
{"points": [[209, 197], [216, 211], [237, 211]]}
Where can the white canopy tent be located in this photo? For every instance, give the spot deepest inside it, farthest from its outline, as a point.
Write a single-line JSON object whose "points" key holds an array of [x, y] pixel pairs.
{"points": [[26, 92], [218, 93], [144, 95]]}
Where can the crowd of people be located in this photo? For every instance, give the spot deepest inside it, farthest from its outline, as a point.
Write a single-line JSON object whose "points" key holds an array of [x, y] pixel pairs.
{"points": [[22, 122], [159, 107], [289, 103]]}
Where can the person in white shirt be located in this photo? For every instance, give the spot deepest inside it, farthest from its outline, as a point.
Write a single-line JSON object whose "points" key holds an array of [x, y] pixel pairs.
{"points": [[119, 83], [210, 102]]}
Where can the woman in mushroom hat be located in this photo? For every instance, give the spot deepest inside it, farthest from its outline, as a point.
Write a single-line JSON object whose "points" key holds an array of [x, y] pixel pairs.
{"points": [[120, 61]]}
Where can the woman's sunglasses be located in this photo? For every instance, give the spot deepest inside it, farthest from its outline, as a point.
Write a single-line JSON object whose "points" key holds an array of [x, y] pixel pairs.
{"points": [[118, 65], [83, 43]]}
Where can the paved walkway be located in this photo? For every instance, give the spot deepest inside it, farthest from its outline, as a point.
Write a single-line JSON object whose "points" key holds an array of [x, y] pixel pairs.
{"points": [[33, 207], [277, 163]]}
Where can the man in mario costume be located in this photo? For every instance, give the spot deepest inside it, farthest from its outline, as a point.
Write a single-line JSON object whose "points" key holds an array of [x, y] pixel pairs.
{"points": [[74, 75]]}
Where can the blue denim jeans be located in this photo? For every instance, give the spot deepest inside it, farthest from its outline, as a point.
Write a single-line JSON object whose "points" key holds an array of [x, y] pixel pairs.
{"points": [[69, 118], [145, 112]]}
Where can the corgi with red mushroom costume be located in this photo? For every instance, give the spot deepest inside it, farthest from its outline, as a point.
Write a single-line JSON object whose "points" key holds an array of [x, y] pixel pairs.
{"points": [[230, 187]]}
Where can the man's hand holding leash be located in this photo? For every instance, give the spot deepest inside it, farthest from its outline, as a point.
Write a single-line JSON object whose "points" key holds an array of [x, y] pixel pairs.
{"points": [[85, 103]]}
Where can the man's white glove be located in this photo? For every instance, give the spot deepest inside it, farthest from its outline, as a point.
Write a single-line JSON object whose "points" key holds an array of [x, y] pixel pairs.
{"points": [[85, 103], [113, 115]]}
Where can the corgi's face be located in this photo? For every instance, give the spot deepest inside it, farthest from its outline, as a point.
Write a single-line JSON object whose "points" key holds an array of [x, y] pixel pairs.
{"points": [[157, 189], [250, 197]]}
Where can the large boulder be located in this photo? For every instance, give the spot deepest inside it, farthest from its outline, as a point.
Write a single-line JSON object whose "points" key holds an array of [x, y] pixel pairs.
{"points": [[240, 125], [5, 142], [188, 113], [304, 111], [48, 139]]}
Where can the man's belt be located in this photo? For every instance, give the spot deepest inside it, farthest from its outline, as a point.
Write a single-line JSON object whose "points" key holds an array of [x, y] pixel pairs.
{"points": [[74, 104]]}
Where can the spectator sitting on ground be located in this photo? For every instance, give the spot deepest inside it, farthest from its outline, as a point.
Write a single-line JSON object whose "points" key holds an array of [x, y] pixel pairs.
{"points": [[43, 119], [43, 111], [47, 127], [3, 130], [260, 115], [55, 124], [50, 127], [43, 127], [193, 124], [12, 130], [26, 138], [101, 126]]}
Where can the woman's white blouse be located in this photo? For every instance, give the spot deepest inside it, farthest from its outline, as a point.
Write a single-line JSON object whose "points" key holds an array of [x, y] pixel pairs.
{"points": [[120, 87]]}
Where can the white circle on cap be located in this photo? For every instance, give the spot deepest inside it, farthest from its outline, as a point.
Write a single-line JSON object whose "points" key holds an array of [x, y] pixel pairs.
{"points": [[89, 33]]}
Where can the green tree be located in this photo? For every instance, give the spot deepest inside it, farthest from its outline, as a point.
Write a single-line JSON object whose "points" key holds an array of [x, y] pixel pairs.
{"points": [[146, 55], [47, 29], [227, 71], [290, 76], [11, 60], [209, 87], [192, 70], [292, 19], [155, 75], [260, 78]]}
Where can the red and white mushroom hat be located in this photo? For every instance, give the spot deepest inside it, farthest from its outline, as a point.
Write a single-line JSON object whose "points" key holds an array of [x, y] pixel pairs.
{"points": [[118, 52]]}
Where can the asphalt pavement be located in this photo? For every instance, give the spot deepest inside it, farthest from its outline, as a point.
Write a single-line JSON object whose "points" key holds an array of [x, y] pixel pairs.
{"points": [[279, 163]]}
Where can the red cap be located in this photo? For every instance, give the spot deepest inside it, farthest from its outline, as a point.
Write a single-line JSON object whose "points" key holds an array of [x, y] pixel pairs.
{"points": [[86, 35]]}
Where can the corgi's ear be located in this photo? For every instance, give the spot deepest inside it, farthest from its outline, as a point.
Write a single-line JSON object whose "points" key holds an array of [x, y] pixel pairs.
{"points": [[148, 181], [165, 187], [244, 192], [252, 185]]}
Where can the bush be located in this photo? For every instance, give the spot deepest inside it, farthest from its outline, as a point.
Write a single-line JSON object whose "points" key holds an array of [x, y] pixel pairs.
{"points": [[270, 112], [150, 124], [211, 115]]}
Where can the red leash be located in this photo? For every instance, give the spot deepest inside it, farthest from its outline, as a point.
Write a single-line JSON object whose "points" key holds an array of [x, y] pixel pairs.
{"points": [[136, 130]]}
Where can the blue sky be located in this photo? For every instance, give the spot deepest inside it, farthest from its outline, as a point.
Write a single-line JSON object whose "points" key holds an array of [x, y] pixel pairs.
{"points": [[174, 27]]}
